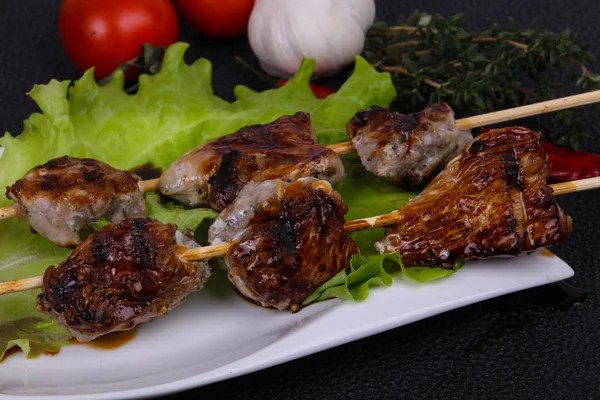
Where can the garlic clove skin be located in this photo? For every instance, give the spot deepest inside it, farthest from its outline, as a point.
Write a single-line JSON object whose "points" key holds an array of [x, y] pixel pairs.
{"points": [[332, 32]]}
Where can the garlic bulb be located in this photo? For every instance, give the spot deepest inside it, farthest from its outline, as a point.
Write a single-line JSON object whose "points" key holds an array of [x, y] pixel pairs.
{"points": [[332, 32]]}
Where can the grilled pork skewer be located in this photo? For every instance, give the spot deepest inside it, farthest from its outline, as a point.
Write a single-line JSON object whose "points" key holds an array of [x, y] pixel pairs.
{"points": [[281, 240], [385, 141], [283, 149], [221, 249], [410, 149], [509, 114]]}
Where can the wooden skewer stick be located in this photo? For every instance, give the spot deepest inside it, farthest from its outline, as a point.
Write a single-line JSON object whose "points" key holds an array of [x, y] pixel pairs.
{"points": [[8, 212], [219, 250], [150, 185], [22, 285], [506, 115], [465, 123], [580, 185]]}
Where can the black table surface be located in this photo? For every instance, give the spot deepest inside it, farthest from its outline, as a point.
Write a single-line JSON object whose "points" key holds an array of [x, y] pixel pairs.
{"points": [[522, 345]]}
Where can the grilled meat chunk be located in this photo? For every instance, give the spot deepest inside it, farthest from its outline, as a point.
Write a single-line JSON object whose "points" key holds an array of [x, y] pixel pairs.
{"points": [[407, 149], [290, 239], [60, 198], [119, 277], [492, 200], [283, 149]]}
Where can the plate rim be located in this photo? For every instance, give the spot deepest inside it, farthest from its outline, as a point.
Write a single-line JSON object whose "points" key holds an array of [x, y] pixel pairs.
{"points": [[232, 370]]}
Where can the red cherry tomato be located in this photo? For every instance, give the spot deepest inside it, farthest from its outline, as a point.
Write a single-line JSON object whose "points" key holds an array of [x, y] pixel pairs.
{"points": [[217, 18], [105, 33]]}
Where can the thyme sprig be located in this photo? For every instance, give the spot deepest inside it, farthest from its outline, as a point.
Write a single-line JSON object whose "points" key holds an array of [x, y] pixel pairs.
{"points": [[433, 59]]}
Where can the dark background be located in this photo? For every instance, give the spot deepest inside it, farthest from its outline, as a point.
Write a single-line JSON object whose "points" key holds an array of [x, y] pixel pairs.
{"points": [[523, 345]]}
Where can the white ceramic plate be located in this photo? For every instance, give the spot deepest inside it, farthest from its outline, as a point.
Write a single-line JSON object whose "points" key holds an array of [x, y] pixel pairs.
{"points": [[217, 335]]}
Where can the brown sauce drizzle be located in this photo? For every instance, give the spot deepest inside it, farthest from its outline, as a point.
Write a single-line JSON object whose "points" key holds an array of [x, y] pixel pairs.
{"points": [[147, 171], [10, 352], [111, 341], [546, 253]]}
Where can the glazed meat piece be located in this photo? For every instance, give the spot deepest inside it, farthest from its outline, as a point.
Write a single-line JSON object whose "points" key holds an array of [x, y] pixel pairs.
{"points": [[119, 277], [290, 239], [407, 149], [283, 149], [490, 201], [60, 198]]}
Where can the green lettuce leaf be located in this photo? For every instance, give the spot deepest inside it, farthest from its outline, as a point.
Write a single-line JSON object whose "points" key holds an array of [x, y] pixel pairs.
{"points": [[172, 112], [97, 225], [23, 255], [326, 115], [33, 335], [372, 271], [171, 213], [367, 195]]}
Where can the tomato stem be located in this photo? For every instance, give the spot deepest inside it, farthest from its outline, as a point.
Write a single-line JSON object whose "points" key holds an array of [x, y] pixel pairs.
{"points": [[149, 62]]}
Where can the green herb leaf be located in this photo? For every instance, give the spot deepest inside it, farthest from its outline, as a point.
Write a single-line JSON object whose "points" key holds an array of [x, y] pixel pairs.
{"points": [[479, 72]]}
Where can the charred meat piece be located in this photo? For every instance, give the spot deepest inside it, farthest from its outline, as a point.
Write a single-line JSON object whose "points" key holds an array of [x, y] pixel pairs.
{"points": [[407, 149], [235, 171], [492, 200], [60, 198], [290, 239], [119, 277], [283, 149]]}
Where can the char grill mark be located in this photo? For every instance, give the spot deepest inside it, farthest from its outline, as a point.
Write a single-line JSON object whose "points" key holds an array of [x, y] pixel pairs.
{"points": [[491, 200], [235, 171], [407, 149], [283, 149], [119, 277], [61, 197], [510, 170], [143, 251], [289, 237], [100, 248], [285, 234]]}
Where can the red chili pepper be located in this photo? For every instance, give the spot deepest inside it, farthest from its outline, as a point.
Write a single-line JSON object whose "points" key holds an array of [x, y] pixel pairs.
{"points": [[569, 165], [566, 165], [319, 91]]}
